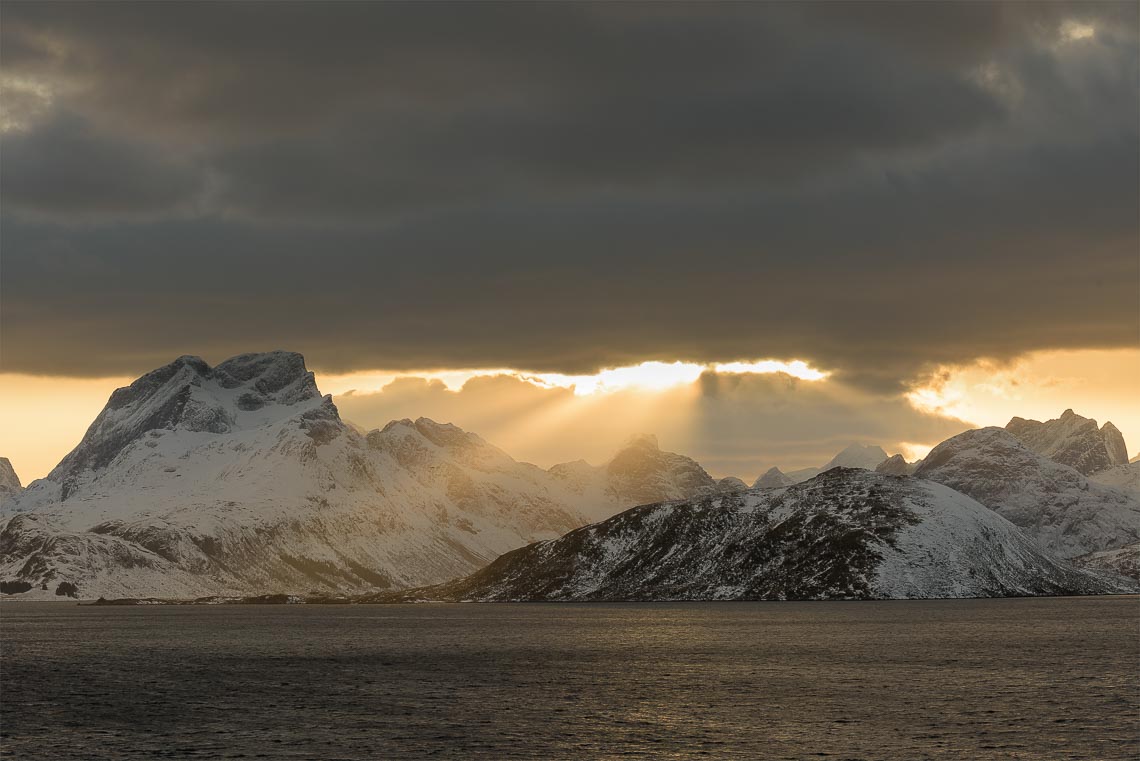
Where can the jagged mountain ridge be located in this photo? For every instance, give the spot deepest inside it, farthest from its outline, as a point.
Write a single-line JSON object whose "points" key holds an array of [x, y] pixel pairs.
{"points": [[1074, 441], [895, 465], [242, 478], [846, 534], [1068, 513], [10, 484]]}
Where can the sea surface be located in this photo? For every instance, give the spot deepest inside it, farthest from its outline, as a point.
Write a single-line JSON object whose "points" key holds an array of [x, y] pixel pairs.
{"points": [[966, 679]]}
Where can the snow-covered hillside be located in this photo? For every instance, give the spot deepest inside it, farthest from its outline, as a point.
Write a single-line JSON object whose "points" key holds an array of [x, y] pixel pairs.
{"points": [[1073, 440], [846, 534], [1123, 477], [1065, 511], [242, 478]]}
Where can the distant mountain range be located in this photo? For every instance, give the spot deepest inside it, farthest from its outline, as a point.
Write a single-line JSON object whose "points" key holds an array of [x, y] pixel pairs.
{"points": [[242, 479], [866, 456]]}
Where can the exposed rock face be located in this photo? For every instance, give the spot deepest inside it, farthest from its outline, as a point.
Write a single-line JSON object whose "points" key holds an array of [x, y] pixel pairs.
{"points": [[1123, 560], [10, 484], [1074, 441], [774, 478], [895, 465], [847, 534], [1065, 511]]}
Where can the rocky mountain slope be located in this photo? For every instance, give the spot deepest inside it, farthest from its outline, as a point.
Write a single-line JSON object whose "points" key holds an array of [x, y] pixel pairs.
{"points": [[10, 484], [846, 534], [1074, 441], [1124, 561], [1065, 511], [895, 465], [242, 478]]}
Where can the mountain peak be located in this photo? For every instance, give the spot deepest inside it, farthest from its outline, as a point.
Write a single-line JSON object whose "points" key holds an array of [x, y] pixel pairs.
{"points": [[1073, 440], [415, 443], [641, 472], [1062, 508], [773, 478], [895, 465], [642, 441], [9, 481], [187, 394], [856, 455]]}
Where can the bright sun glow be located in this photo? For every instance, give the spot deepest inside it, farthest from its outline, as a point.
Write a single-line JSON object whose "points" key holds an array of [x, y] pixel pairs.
{"points": [[796, 368], [647, 376], [1074, 30], [658, 376], [1100, 384]]}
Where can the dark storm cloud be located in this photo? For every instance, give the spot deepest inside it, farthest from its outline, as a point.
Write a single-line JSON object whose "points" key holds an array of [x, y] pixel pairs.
{"points": [[64, 167], [874, 188]]}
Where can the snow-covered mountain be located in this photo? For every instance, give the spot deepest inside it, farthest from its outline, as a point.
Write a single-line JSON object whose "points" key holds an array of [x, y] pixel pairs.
{"points": [[773, 478], [10, 484], [729, 484], [866, 456], [242, 478], [1073, 440], [846, 534], [1123, 477], [1065, 511], [639, 473]]}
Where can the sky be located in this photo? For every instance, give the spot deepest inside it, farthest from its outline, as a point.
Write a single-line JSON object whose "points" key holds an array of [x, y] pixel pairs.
{"points": [[472, 212]]}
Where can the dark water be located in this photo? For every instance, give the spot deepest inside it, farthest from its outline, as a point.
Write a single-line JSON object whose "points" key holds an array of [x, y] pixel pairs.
{"points": [[1024, 679]]}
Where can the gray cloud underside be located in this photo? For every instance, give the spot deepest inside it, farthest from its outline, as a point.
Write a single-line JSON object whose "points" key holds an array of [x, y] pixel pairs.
{"points": [[563, 187]]}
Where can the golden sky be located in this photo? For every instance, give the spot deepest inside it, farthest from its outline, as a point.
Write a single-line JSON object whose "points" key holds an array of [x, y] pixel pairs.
{"points": [[737, 419]]}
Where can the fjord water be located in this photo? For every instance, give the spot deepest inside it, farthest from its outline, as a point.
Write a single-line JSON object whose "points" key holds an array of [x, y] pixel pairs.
{"points": [[1021, 678]]}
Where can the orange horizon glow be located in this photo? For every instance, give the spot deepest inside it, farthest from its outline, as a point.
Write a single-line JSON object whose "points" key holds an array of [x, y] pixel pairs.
{"points": [[43, 417]]}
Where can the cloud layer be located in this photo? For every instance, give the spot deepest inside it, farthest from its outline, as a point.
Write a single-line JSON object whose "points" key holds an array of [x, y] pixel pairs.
{"points": [[564, 187]]}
